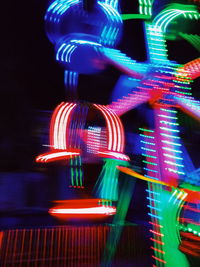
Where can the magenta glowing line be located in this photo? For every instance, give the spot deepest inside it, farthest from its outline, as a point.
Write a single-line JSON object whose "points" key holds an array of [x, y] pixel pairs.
{"points": [[129, 102], [92, 210]]}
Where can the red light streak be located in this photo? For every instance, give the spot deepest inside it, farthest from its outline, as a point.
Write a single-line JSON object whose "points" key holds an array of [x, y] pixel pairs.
{"points": [[82, 208], [191, 208], [58, 126], [114, 155], [158, 259], [157, 241], [190, 236], [161, 251], [1, 238], [63, 127], [55, 133], [188, 251], [156, 233], [155, 224], [57, 155], [115, 129], [120, 131], [52, 123], [115, 134], [191, 245], [110, 130], [192, 68]]}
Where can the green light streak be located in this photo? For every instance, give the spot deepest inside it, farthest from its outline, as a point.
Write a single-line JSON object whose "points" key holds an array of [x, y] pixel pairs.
{"points": [[193, 39], [107, 184], [145, 7], [190, 187], [76, 173], [149, 156], [72, 172], [168, 19], [125, 196], [146, 130], [174, 10], [135, 16], [184, 93], [148, 162], [168, 208]]}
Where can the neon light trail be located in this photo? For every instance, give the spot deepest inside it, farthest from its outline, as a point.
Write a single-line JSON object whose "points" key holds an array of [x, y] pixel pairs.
{"points": [[163, 84], [86, 37]]}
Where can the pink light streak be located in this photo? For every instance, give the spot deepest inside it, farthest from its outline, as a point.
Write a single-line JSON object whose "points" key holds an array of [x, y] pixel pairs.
{"points": [[129, 102]]}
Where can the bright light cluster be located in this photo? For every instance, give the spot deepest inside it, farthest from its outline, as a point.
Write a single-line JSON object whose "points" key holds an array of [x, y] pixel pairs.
{"points": [[163, 84]]}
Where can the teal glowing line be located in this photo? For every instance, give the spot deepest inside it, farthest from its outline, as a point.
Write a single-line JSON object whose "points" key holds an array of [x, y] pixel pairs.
{"points": [[152, 192], [172, 156], [153, 208], [153, 144], [170, 143], [149, 156], [171, 136], [147, 169], [154, 200], [147, 136], [155, 216]]}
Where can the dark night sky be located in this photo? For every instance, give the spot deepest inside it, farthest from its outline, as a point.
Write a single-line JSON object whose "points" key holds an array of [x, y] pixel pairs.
{"points": [[32, 80]]}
